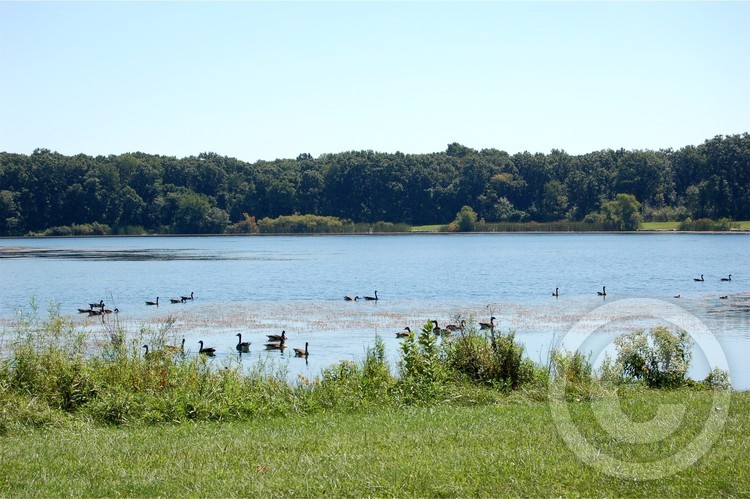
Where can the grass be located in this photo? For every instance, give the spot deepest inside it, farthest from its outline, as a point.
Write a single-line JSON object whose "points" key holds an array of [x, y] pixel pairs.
{"points": [[510, 448], [427, 228], [659, 225], [464, 416]]}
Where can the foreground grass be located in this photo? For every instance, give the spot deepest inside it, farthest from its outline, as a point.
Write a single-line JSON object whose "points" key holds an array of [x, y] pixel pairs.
{"points": [[507, 448]]}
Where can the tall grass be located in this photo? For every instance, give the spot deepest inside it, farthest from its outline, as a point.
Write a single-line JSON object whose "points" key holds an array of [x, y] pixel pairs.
{"points": [[53, 373]]}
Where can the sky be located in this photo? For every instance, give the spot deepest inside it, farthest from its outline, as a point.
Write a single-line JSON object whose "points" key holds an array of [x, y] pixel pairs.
{"points": [[267, 80]]}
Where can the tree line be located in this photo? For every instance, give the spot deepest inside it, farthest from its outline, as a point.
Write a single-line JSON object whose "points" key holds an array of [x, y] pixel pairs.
{"points": [[210, 193]]}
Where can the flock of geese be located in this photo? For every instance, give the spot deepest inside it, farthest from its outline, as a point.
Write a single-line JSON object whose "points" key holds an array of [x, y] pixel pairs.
{"points": [[723, 279], [278, 341], [275, 342], [357, 298], [603, 292]]}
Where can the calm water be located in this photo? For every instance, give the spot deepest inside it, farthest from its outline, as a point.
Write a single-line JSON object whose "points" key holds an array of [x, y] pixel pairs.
{"points": [[261, 285]]}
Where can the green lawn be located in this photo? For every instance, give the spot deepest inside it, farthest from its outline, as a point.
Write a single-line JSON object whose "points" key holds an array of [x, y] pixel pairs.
{"points": [[511, 448], [659, 225]]}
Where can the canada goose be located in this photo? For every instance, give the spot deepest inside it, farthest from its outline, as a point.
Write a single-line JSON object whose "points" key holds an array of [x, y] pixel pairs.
{"points": [[84, 310], [210, 351], [175, 348], [556, 293], [488, 325], [100, 304], [456, 327], [277, 337], [275, 345], [371, 298], [188, 297], [177, 300], [723, 297], [603, 292], [437, 329], [95, 312], [146, 347], [153, 302], [351, 298], [727, 278], [298, 352], [676, 296], [698, 280], [403, 334], [242, 346], [107, 311]]}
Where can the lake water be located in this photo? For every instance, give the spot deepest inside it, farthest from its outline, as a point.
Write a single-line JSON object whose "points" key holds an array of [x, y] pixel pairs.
{"points": [[263, 285]]}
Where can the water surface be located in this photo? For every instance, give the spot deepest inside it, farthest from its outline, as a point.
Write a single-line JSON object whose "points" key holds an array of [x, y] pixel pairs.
{"points": [[261, 285]]}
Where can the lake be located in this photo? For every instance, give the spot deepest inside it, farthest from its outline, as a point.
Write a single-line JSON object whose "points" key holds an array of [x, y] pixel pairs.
{"points": [[265, 284]]}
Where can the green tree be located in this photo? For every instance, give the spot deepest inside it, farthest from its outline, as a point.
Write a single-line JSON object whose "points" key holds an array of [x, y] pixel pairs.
{"points": [[622, 213], [465, 221]]}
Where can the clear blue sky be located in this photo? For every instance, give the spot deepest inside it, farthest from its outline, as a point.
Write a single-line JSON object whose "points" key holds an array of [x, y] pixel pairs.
{"points": [[258, 80]]}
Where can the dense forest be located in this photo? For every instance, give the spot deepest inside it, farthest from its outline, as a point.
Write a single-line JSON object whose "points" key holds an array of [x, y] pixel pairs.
{"points": [[209, 193]]}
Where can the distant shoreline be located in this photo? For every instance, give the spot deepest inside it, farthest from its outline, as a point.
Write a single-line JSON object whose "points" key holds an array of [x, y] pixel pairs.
{"points": [[415, 233]]}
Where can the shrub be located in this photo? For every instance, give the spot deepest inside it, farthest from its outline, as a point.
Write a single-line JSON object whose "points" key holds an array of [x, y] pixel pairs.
{"points": [[705, 225], [422, 372], [493, 358], [717, 379], [658, 358]]}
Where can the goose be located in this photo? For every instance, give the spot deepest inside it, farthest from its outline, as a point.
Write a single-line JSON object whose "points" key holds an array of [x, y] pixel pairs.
{"points": [[177, 300], [107, 311], [95, 312], [210, 351], [603, 292], [84, 310], [556, 293], [372, 298], [676, 296], [698, 280], [175, 348], [403, 334], [727, 278], [276, 345], [488, 325], [456, 327], [184, 298], [351, 298], [146, 347], [723, 297], [298, 352], [277, 337], [100, 304], [437, 330], [153, 302], [242, 346]]}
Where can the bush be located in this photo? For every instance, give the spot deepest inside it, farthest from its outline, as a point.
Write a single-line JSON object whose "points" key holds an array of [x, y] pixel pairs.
{"points": [[493, 359], [706, 225], [659, 358], [422, 373], [465, 221], [717, 379]]}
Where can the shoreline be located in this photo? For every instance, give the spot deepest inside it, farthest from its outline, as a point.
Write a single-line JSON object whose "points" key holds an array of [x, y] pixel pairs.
{"points": [[415, 233]]}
